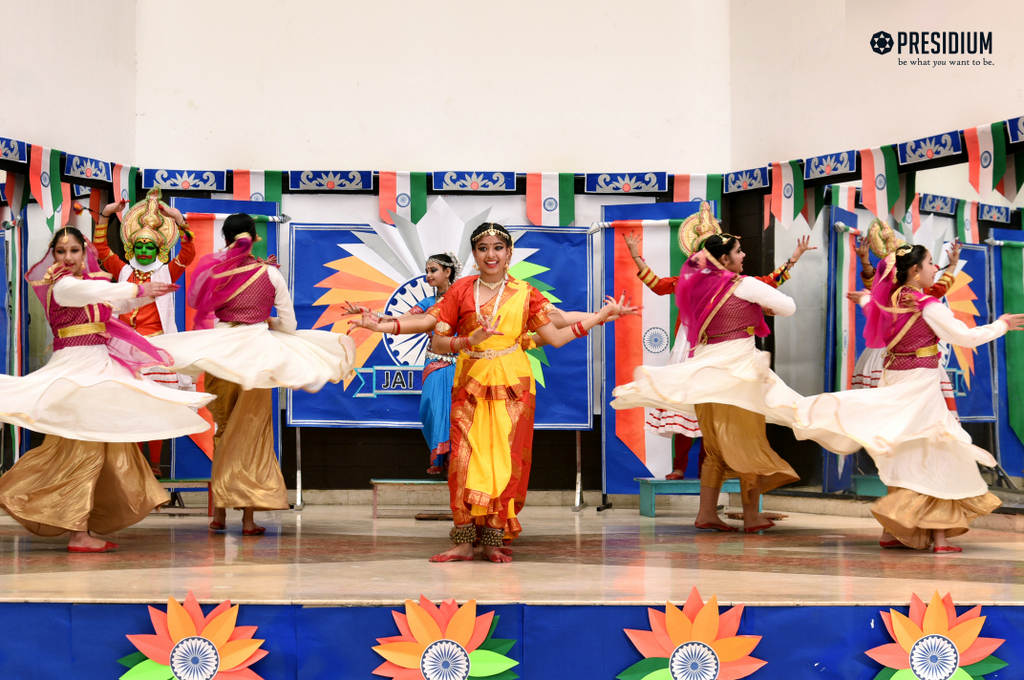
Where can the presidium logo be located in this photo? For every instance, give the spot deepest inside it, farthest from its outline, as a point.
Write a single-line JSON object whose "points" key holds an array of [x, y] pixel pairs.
{"points": [[956, 44]]}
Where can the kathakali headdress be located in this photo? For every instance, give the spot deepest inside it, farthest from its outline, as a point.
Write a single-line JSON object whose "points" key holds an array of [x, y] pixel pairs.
{"points": [[883, 239], [144, 222], [696, 228]]}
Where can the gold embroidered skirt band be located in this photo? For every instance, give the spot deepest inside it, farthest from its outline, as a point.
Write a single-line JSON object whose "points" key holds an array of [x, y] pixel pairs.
{"points": [[82, 329], [929, 351], [490, 353]]}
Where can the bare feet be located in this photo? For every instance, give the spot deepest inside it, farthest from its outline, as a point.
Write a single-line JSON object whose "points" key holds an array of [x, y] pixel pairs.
{"points": [[460, 553], [156, 470], [220, 516], [756, 521], [497, 554], [942, 545], [83, 539], [675, 474], [249, 526]]}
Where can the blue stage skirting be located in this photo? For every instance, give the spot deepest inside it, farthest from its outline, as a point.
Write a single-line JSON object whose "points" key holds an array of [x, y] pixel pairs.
{"points": [[84, 641]]}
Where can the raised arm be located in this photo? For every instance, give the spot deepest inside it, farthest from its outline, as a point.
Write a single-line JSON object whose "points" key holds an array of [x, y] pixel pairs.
{"points": [[285, 319], [72, 292], [770, 299], [108, 260], [952, 330]]}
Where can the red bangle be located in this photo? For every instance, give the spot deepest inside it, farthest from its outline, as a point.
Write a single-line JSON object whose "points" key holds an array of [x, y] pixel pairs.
{"points": [[461, 345], [578, 330], [398, 327]]}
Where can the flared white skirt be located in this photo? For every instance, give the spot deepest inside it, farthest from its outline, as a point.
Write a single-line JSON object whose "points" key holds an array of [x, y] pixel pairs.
{"points": [[254, 356], [83, 394], [670, 423]]}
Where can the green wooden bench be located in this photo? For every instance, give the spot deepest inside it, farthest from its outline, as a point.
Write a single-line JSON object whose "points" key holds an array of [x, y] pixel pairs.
{"points": [[651, 487], [415, 482]]}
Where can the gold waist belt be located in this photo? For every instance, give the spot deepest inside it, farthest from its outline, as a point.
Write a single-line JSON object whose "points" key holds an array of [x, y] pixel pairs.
{"points": [[82, 329], [749, 329], [929, 351], [490, 353]]}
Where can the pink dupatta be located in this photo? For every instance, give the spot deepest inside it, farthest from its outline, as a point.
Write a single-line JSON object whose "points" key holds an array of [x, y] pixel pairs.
{"points": [[702, 280], [885, 318], [124, 345], [216, 278]]}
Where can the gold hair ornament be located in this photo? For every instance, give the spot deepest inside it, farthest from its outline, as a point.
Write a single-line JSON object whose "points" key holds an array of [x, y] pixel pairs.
{"points": [[696, 228], [883, 239]]}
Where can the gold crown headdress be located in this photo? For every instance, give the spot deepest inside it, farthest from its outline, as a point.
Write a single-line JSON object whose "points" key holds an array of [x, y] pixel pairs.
{"points": [[883, 239], [144, 222], [493, 229], [696, 228]]}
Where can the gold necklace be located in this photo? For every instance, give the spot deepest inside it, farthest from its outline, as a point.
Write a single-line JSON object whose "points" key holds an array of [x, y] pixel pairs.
{"points": [[492, 286]]}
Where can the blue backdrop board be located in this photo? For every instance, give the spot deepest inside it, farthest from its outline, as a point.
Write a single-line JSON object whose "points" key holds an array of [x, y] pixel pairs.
{"points": [[188, 461], [330, 264], [5, 326], [1011, 449], [971, 370], [628, 451], [86, 642]]}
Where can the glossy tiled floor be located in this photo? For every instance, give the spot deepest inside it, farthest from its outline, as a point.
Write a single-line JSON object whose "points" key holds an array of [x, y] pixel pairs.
{"points": [[339, 555]]}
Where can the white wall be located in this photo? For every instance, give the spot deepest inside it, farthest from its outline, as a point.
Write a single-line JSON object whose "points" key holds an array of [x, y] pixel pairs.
{"points": [[805, 81], [403, 84], [67, 75]]}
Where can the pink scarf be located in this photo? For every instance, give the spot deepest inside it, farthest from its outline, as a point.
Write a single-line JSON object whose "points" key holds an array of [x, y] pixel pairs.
{"points": [[698, 290]]}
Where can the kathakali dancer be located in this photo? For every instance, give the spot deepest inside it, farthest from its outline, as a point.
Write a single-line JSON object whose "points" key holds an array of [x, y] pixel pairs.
{"points": [[91, 403], [149, 231], [923, 454], [245, 353], [681, 427], [727, 383], [493, 398]]}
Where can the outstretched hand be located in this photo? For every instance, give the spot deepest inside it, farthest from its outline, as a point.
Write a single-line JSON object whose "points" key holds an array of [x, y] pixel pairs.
{"points": [[155, 289], [173, 213], [613, 309], [858, 296], [863, 248], [954, 255], [802, 246], [484, 331], [633, 241], [1014, 321], [111, 208]]}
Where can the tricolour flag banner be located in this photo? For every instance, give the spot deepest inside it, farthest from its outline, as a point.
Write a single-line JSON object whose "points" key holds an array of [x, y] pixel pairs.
{"points": [[967, 221], [97, 201], [814, 201], [986, 157], [17, 190], [879, 180], [551, 198], [688, 188], [787, 192], [1013, 303], [908, 191], [44, 176], [124, 185], [845, 198], [846, 309], [66, 206], [646, 338], [1009, 186], [403, 193], [911, 220], [256, 185]]}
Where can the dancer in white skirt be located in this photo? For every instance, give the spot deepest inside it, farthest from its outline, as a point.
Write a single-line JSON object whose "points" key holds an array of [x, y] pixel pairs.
{"points": [[680, 427], [89, 474], [727, 383], [923, 454], [245, 353]]}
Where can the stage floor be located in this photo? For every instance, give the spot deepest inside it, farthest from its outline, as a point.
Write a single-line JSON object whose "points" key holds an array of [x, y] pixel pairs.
{"points": [[338, 555]]}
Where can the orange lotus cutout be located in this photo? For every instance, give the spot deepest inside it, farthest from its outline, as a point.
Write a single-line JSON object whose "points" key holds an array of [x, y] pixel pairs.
{"points": [[189, 644], [934, 642], [694, 641], [437, 641]]}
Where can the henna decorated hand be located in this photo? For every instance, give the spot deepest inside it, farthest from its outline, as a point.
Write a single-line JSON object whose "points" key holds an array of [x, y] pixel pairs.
{"points": [[173, 213], [111, 208], [155, 289], [485, 331]]}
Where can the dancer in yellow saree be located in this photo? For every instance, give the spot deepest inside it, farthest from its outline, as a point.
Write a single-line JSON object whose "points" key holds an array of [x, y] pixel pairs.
{"points": [[493, 395]]}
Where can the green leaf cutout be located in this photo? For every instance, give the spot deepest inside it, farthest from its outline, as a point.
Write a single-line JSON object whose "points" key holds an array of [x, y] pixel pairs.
{"points": [[536, 369], [484, 663], [990, 664], [643, 668], [132, 659], [525, 270], [498, 646], [148, 670]]}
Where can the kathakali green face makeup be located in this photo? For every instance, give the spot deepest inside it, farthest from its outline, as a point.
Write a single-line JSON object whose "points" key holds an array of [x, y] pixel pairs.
{"points": [[145, 252]]}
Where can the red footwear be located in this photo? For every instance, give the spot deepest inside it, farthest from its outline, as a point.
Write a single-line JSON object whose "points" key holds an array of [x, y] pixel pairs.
{"points": [[715, 526], [890, 544], [217, 526], [760, 527], [258, 531], [946, 549], [451, 558], [107, 547], [673, 476]]}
